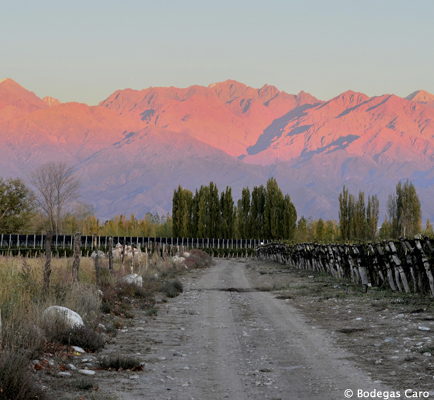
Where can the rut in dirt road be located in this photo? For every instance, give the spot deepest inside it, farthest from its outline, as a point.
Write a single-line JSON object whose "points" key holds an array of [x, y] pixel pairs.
{"points": [[222, 339]]}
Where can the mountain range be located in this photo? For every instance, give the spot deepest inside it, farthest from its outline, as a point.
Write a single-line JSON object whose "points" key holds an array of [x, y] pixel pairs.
{"points": [[134, 148]]}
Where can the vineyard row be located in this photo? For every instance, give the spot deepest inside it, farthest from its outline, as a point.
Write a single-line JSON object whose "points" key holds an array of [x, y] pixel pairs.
{"points": [[405, 265]]}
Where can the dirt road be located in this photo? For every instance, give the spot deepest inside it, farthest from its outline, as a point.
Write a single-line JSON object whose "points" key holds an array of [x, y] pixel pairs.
{"points": [[223, 339]]}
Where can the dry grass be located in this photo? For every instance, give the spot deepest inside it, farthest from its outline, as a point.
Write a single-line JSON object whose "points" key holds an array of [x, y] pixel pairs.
{"points": [[22, 300], [16, 380]]}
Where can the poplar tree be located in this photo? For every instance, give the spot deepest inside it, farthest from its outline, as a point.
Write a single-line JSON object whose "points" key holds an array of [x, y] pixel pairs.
{"points": [[289, 219], [344, 213], [302, 233], [320, 230], [182, 208], [273, 210], [428, 229], [227, 214], [214, 211], [372, 215], [257, 212], [404, 211], [202, 227], [243, 214]]}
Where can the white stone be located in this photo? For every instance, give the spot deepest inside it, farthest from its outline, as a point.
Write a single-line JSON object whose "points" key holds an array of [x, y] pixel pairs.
{"points": [[79, 350], [133, 279], [65, 373], [423, 328], [86, 372], [100, 254], [186, 254], [178, 260], [70, 317]]}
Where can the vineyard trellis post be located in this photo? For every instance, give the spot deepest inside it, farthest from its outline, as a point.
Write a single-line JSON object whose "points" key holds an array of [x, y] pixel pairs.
{"points": [[47, 269], [110, 255], [123, 254], [97, 271], [132, 258], [139, 258], [77, 254]]}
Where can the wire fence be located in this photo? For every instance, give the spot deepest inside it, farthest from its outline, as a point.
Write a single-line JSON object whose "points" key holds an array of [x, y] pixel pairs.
{"points": [[14, 244]]}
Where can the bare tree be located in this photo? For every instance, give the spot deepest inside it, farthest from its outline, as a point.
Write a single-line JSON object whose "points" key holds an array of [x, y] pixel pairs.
{"points": [[56, 187]]}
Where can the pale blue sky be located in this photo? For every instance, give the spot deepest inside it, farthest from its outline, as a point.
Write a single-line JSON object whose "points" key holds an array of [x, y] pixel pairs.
{"points": [[85, 50]]}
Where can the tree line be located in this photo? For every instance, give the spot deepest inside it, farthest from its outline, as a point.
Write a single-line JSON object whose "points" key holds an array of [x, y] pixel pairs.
{"points": [[53, 206], [358, 219], [265, 213]]}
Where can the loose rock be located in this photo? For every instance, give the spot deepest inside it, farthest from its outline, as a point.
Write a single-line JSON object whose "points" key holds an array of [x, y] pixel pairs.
{"points": [[86, 372], [71, 318]]}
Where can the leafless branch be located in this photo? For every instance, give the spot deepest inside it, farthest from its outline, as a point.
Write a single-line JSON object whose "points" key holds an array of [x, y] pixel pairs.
{"points": [[56, 186]]}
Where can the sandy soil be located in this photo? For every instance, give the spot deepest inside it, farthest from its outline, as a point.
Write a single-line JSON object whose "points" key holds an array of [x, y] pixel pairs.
{"points": [[253, 330]]}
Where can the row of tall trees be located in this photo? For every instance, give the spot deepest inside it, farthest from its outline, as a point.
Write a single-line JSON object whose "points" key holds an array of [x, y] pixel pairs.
{"points": [[204, 214], [264, 213], [404, 212], [320, 231], [358, 219]]}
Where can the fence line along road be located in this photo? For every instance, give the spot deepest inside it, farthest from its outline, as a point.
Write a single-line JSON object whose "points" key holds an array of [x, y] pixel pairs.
{"points": [[18, 241], [405, 265]]}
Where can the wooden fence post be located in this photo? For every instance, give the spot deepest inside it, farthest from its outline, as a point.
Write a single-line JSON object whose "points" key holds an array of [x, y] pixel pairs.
{"points": [[132, 258], [47, 269], [139, 258], [111, 255], [77, 254], [123, 254], [95, 243]]}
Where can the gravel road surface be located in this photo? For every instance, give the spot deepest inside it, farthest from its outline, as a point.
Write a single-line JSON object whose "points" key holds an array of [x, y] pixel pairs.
{"points": [[223, 339]]}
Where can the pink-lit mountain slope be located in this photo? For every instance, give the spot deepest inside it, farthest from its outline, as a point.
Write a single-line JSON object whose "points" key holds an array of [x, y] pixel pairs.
{"points": [[136, 147], [422, 97], [385, 129], [229, 116], [68, 132], [51, 101], [15, 101]]}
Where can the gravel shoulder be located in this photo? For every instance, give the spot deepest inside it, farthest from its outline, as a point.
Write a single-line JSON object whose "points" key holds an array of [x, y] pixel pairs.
{"points": [[247, 329]]}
